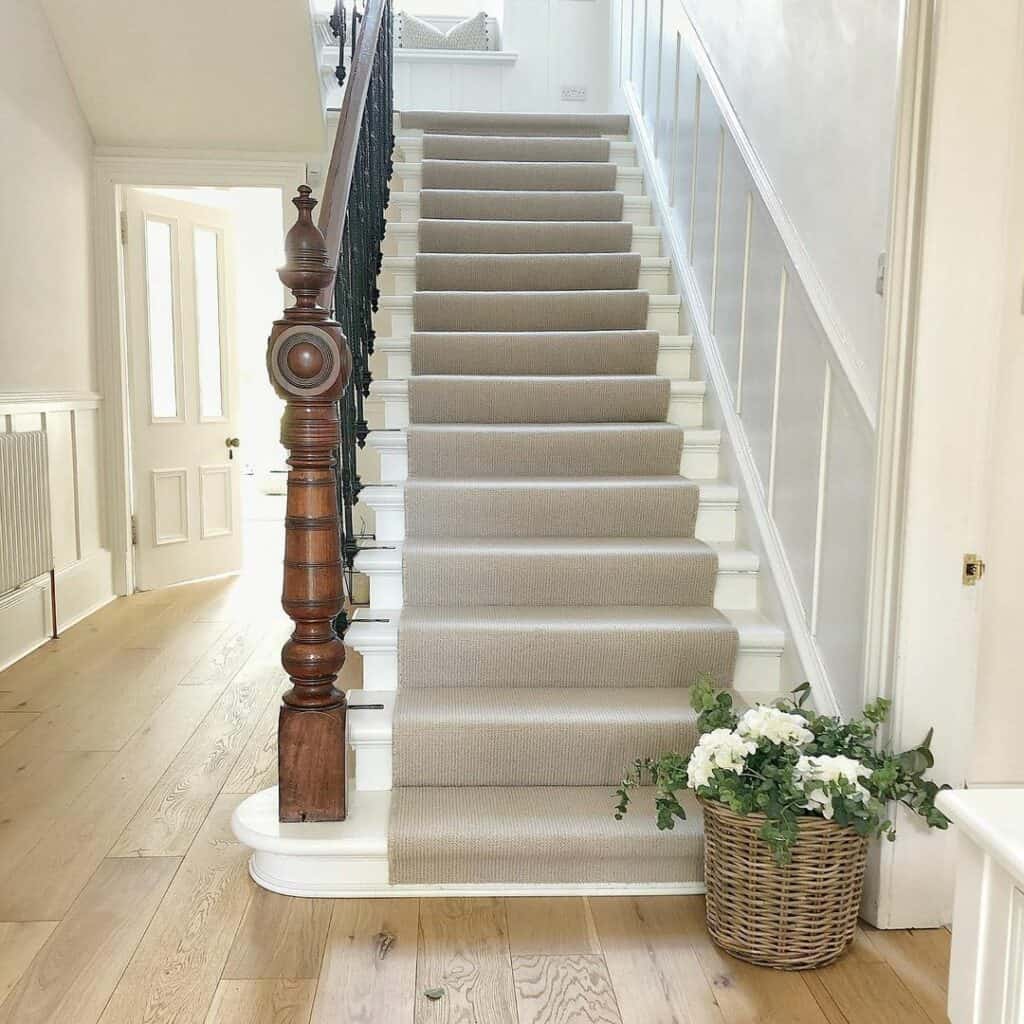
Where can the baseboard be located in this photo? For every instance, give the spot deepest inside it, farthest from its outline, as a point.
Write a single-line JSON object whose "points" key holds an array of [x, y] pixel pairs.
{"points": [[82, 588], [769, 542]]}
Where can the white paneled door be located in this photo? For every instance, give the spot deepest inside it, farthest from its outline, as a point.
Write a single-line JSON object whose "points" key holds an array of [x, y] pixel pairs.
{"points": [[184, 396]]}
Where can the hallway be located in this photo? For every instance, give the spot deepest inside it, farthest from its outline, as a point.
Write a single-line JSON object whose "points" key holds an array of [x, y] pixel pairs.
{"points": [[125, 898]]}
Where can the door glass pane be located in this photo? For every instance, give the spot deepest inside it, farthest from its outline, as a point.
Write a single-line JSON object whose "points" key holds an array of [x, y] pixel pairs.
{"points": [[211, 399], [163, 385]]}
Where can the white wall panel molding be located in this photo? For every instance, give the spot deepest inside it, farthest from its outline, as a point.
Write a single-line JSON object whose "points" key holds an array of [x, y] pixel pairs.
{"points": [[20, 402], [848, 361], [752, 497], [83, 578], [70, 421], [82, 588]]}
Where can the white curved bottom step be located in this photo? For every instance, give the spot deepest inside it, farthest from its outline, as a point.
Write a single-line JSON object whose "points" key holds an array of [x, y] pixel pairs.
{"points": [[335, 860]]}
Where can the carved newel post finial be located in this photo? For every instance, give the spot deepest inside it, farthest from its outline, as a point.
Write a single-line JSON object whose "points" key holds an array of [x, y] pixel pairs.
{"points": [[309, 364]]}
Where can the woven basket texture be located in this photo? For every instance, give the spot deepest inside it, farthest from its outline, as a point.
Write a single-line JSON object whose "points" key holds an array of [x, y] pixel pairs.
{"points": [[795, 917]]}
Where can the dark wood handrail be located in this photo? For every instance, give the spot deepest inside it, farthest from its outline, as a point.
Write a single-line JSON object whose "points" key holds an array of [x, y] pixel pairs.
{"points": [[331, 219]]}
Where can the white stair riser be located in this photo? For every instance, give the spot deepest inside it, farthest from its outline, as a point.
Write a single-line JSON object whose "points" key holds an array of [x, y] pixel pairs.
{"points": [[394, 316], [622, 154], [715, 522], [402, 240], [684, 410], [699, 462], [402, 280], [733, 590], [673, 363], [408, 177], [405, 207]]}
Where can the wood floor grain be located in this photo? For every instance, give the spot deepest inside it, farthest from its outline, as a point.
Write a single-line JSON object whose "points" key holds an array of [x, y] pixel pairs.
{"points": [[280, 937], [649, 949], [564, 990], [73, 974], [175, 971], [20, 941], [269, 1001], [171, 930], [45, 880], [369, 964], [549, 926], [171, 815], [463, 950]]}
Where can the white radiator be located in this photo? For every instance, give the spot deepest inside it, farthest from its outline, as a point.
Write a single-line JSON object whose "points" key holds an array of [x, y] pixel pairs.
{"points": [[26, 544]]}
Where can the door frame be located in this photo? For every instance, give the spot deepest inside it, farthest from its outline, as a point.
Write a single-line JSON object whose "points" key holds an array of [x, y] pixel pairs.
{"points": [[114, 173], [961, 89]]}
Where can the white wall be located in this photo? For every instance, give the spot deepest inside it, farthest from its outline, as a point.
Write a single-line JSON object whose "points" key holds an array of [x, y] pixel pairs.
{"points": [[998, 757], [814, 86], [47, 349], [558, 43], [228, 75], [46, 337], [802, 443]]}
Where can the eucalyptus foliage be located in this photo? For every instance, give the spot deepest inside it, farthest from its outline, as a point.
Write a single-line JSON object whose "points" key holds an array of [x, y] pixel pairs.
{"points": [[785, 761]]}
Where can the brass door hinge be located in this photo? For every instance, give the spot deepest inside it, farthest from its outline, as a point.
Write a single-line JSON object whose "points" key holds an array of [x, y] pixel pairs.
{"points": [[135, 530], [124, 227], [974, 569]]}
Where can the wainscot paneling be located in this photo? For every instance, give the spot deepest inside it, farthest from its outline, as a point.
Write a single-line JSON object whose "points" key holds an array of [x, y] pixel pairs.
{"points": [[805, 445], [733, 214], [794, 476], [81, 560], [765, 283]]}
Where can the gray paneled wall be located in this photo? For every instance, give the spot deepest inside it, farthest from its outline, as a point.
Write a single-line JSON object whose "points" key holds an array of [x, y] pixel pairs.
{"points": [[810, 443]]}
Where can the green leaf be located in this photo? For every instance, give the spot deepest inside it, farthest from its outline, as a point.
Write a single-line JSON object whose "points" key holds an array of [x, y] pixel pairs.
{"points": [[803, 691]]}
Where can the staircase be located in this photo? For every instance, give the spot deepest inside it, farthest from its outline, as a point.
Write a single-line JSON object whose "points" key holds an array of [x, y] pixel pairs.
{"points": [[556, 558]]}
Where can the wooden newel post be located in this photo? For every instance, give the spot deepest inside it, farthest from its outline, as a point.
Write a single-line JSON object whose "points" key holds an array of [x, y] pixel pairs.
{"points": [[310, 365]]}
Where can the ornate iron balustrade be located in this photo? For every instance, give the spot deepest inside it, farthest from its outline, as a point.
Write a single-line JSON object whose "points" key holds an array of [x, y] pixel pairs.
{"points": [[318, 359]]}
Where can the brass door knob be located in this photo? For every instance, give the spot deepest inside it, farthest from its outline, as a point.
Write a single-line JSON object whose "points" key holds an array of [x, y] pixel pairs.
{"points": [[231, 443]]}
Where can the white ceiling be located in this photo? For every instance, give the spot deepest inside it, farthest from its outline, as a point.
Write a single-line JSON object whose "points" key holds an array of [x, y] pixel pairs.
{"points": [[210, 74]]}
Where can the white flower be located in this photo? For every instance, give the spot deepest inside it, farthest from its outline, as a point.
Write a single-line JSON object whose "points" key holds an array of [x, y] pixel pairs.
{"points": [[817, 774], [720, 748], [767, 723]]}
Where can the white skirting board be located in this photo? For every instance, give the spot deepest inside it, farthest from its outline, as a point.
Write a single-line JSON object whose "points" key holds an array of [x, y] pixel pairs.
{"points": [[82, 588], [349, 858]]}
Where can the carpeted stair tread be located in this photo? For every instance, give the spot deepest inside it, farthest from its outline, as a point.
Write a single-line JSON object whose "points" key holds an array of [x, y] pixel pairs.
{"points": [[564, 736], [469, 204], [660, 506], [558, 571], [455, 399], [515, 147], [504, 835], [564, 646], [511, 176], [542, 449], [534, 353], [478, 272], [621, 310], [524, 236], [512, 123]]}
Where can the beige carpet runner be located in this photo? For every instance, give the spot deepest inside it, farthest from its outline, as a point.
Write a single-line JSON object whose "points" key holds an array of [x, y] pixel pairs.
{"points": [[556, 603]]}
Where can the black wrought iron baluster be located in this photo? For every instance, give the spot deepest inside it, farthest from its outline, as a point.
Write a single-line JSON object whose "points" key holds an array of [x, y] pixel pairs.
{"points": [[338, 24], [359, 265]]}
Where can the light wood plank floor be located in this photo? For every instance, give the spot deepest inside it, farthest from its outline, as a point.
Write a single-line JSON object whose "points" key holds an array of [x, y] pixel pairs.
{"points": [[124, 898]]}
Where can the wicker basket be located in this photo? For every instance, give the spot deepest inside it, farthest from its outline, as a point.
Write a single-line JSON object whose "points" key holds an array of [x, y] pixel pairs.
{"points": [[792, 918]]}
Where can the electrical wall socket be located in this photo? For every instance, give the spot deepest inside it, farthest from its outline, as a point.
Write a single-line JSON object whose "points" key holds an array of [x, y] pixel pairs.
{"points": [[575, 93]]}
